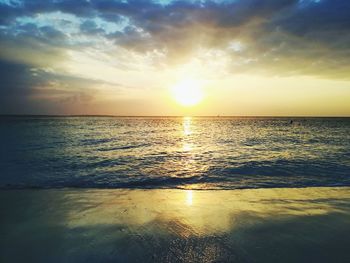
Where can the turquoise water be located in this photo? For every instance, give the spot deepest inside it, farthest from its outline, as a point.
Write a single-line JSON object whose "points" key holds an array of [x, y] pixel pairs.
{"points": [[198, 153]]}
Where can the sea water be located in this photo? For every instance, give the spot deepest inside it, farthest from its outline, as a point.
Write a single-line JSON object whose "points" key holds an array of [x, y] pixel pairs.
{"points": [[173, 152]]}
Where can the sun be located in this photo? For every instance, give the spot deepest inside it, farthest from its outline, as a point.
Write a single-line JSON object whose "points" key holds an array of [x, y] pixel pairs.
{"points": [[188, 92]]}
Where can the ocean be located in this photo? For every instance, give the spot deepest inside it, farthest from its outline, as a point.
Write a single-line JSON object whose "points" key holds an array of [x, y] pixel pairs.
{"points": [[173, 152]]}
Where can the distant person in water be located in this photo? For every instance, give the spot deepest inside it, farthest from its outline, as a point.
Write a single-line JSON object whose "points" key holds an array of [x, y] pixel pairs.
{"points": [[291, 122]]}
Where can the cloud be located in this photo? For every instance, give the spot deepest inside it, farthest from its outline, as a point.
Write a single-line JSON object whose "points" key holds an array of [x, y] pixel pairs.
{"points": [[268, 28], [285, 37], [27, 89]]}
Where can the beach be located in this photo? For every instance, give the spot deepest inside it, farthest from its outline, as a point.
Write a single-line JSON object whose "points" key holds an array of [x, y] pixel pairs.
{"points": [[175, 131], [169, 225]]}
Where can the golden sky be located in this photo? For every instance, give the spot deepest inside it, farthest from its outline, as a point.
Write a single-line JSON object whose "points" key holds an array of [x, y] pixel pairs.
{"points": [[276, 58]]}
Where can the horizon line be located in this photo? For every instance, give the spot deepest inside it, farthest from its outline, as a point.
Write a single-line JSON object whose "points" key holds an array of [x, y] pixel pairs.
{"points": [[171, 116]]}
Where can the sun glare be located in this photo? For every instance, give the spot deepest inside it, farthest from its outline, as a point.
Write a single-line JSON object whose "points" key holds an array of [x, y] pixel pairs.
{"points": [[188, 92]]}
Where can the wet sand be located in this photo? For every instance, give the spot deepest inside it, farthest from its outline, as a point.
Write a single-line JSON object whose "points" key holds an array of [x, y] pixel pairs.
{"points": [[263, 225]]}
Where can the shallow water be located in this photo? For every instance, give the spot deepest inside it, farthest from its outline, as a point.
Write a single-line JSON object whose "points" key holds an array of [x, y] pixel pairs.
{"points": [[196, 153], [158, 225]]}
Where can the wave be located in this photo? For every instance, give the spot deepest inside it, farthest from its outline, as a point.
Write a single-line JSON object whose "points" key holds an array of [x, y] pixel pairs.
{"points": [[192, 182], [96, 141], [126, 147]]}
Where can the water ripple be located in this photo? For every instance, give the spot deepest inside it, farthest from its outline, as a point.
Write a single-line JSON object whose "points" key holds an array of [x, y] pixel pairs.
{"points": [[198, 153]]}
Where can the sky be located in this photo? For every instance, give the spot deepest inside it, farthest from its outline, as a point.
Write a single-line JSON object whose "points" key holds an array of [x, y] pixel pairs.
{"points": [[245, 57]]}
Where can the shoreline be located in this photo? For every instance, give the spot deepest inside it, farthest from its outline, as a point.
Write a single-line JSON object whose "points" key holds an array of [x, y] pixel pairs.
{"points": [[29, 188], [162, 225]]}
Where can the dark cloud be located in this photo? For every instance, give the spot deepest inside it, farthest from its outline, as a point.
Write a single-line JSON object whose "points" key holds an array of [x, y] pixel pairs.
{"points": [[16, 84], [317, 20], [311, 34], [34, 7], [326, 22], [29, 90], [14, 78]]}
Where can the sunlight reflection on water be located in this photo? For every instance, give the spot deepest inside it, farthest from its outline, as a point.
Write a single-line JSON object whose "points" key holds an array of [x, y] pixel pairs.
{"points": [[189, 197]]}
